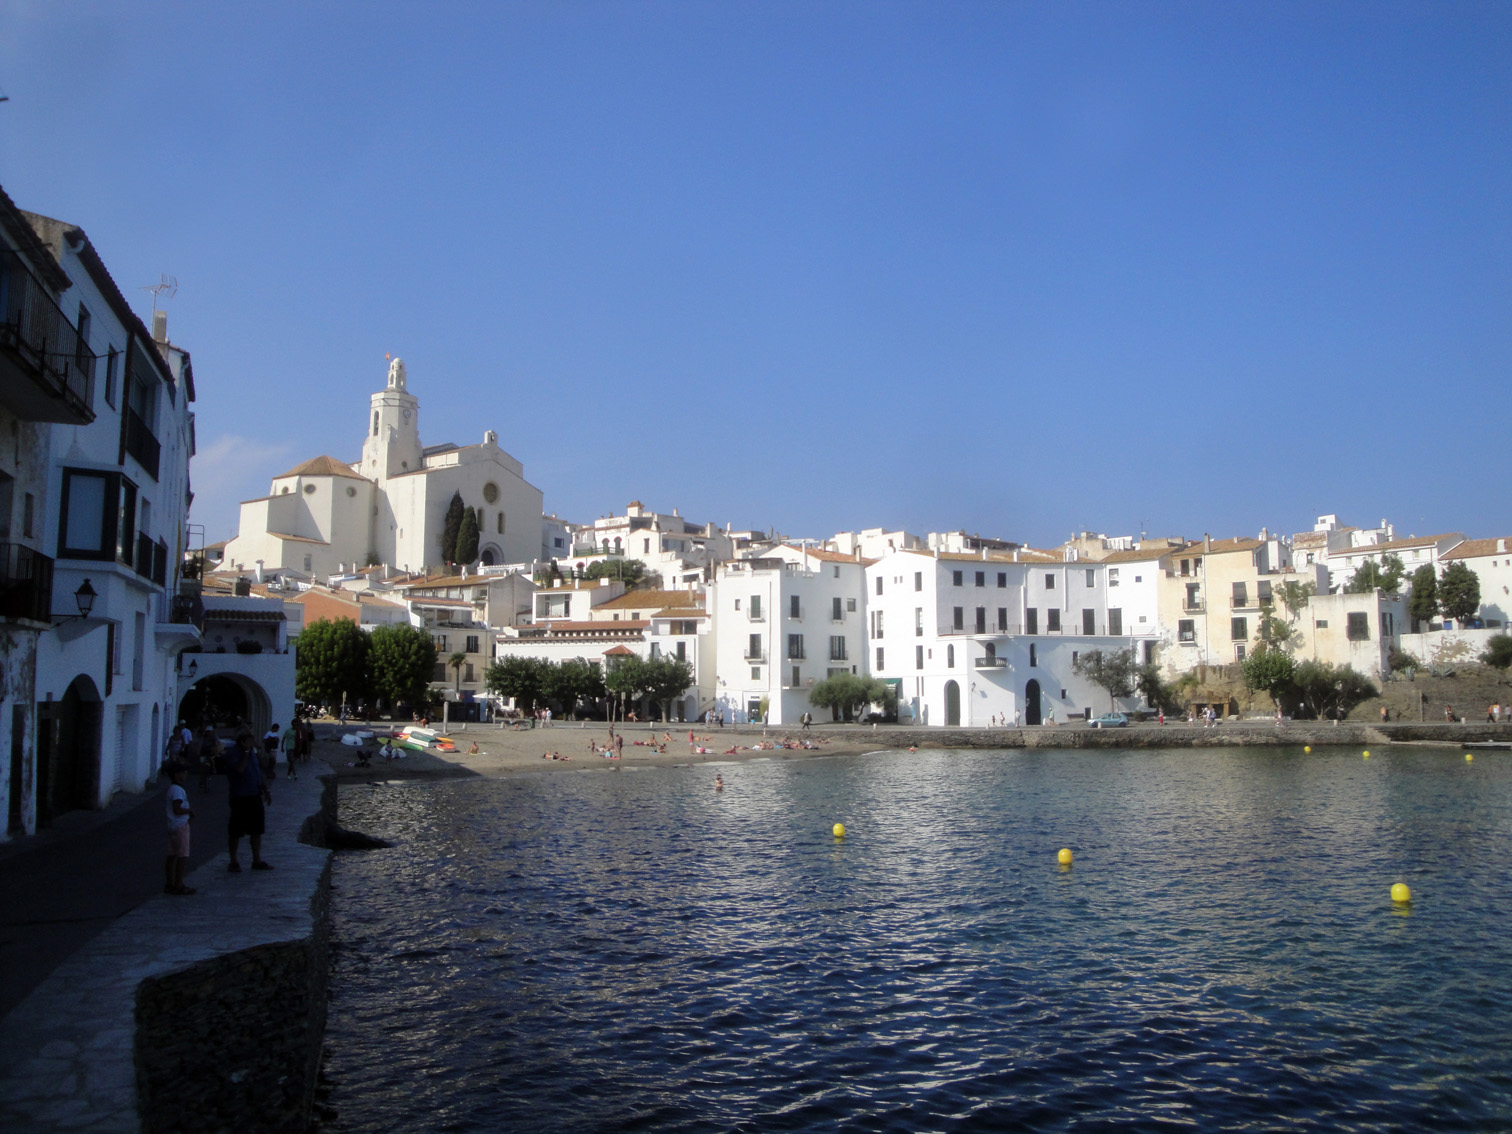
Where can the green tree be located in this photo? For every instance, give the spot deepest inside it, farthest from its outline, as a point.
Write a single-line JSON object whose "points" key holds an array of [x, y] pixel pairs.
{"points": [[1293, 596], [1116, 671], [666, 680], [457, 661], [1385, 575], [1498, 651], [1276, 633], [522, 678], [1157, 693], [627, 679], [1328, 691], [333, 663], [450, 528], [1423, 606], [467, 537], [1270, 671], [632, 572], [848, 694], [572, 682], [403, 659], [1459, 592]]}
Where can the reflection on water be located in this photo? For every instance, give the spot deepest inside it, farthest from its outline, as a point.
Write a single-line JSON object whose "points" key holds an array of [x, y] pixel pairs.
{"points": [[606, 951]]}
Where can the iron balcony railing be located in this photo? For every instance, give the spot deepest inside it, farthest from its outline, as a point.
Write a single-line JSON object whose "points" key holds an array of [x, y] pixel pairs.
{"points": [[26, 579], [187, 610], [141, 444], [37, 335]]}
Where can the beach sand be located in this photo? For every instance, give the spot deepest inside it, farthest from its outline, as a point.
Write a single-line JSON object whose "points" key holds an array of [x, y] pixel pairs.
{"points": [[506, 752]]}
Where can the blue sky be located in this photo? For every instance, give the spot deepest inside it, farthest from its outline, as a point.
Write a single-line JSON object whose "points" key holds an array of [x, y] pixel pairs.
{"points": [[1021, 269]]}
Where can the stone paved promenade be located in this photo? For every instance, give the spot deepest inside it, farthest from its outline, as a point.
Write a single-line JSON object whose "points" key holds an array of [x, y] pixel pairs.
{"points": [[66, 1060]]}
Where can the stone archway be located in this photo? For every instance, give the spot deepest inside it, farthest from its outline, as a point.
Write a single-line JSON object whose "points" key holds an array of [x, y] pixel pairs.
{"points": [[1032, 710], [952, 703], [221, 698], [68, 750], [490, 555]]}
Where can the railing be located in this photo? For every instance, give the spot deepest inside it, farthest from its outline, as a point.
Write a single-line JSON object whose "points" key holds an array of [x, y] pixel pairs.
{"points": [[839, 655], [141, 444], [795, 615], [795, 652], [35, 331], [26, 579], [187, 610], [757, 656], [990, 663], [1191, 606], [142, 560]]}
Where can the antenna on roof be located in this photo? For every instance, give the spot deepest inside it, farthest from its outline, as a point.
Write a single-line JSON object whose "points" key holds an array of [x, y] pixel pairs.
{"points": [[166, 285]]}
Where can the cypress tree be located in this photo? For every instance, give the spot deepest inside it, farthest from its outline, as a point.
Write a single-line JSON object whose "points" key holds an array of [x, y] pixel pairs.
{"points": [[467, 537], [450, 528]]}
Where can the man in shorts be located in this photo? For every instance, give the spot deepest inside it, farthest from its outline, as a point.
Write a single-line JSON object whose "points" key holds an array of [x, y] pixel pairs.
{"points": [[249, 794], [179, 814]]}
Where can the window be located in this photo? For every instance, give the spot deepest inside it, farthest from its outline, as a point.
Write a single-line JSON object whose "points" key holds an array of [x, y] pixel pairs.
{"points": [[850, 606], [879, 584], [1115, 621], [1089, 621], [837, 611], [879, 657], [1033, 656], [949, 657], [1186, 631], [836, 568], [981, 620], [682, 651], [1241, 595], [793, 607], [467, 672], [646, 547], [1031, 620], [755, 673], [1049, 582], [501, 527], [981, 578], [837, 647], [795, 646], [918, 657], [797, 675], [753, 646], [1239, 651], [1186, 566], [1002, 578], [440, 640], [98, 516], [1358, 628], [472, 644], [1264, 588], [139, 650], [1139, 578], [958, 618], [1194, 596], [755, 608], [112, 373], [918, 622], [375, 423], [1239, 629], [955, 578], [1052, 621], [1002, 622], [1091, 577], [918, 580], [1113, 577]]}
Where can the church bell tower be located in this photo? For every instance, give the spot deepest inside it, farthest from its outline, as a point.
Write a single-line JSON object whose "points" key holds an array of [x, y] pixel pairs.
{"points": [[392, 447]]}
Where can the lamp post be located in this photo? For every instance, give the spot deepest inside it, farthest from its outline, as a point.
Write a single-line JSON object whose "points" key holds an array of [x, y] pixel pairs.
{"points": [[84, 599]]}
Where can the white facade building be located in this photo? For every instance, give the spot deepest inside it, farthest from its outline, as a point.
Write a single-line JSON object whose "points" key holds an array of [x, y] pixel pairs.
{"points": [[783, 622], [1491, 560], [390, 506]]}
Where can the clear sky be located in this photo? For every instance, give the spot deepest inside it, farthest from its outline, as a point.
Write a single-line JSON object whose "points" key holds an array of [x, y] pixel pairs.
{"points": [[1018, 268]]}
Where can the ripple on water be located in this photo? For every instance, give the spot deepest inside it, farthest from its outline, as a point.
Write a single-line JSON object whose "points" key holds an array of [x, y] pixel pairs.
{"points": [[635, 953]]}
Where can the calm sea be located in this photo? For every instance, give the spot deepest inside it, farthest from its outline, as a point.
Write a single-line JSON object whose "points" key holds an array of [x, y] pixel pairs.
{"points": [[634, 951]]}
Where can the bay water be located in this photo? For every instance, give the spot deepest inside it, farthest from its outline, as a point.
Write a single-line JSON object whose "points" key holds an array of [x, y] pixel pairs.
{"points": [[634, 950]]}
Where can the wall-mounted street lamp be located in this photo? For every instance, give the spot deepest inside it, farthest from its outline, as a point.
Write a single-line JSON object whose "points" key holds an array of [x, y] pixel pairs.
{"points": [[192, 670], [84, 598]]}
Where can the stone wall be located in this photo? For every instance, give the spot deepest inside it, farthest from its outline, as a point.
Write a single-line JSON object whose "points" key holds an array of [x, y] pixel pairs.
{"points": [[233, 1043]]}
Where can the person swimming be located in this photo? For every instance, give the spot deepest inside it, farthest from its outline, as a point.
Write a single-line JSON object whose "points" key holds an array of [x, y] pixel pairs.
{"points": [[718, 782]]}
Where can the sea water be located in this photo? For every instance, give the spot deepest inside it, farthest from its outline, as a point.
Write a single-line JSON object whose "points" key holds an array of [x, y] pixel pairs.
{"points": [[635, 951]]}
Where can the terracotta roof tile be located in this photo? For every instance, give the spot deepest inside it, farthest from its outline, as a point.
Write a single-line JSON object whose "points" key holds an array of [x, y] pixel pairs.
{"points": [[321, 466], [1475, 548]]}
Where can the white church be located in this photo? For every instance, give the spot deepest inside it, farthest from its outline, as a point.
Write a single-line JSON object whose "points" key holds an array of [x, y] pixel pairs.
{"points": [[389, 507]]}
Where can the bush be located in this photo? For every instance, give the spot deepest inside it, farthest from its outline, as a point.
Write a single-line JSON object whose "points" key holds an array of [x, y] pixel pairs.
{"points": [[1498, 651]]}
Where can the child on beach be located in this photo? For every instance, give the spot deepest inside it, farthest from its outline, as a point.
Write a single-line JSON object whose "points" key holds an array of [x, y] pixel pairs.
{"points": [[179, 814]]}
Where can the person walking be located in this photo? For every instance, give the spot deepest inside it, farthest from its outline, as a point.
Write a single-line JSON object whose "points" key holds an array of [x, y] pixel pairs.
{"points": [[249, 795], [179, 815], [290, 746]]}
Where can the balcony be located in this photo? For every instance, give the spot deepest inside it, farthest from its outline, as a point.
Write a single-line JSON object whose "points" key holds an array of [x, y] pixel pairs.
{"points": [[990, 663], [1193, 606], [757, 657], [141, 444], [26, 578], [796, 615], [795, 653], [840, 656], [46, 370]]}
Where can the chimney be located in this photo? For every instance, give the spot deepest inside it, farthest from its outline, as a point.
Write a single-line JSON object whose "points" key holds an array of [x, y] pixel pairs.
{"points": [[259, 571], [159, 326], [1207, 542], [1501, 545]]}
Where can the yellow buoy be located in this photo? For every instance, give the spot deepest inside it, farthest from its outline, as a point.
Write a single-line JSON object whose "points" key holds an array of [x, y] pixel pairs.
{"points": [[839, 830], [1400, 893], [1064, 857], [1307, 748], [1367, 754], [1468, 756]]}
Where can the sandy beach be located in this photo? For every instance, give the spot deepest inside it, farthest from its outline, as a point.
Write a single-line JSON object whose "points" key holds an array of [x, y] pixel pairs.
{"points": [[509, 751]]}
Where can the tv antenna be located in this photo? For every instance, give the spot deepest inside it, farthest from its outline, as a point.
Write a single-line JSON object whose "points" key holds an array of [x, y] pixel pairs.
{"points": [[166, 285]]}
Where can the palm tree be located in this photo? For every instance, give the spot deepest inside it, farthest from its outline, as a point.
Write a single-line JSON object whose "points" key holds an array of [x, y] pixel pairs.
{"points": [[457, 661]]}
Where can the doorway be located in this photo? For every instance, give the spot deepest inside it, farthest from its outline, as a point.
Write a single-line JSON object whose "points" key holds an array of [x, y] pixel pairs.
{"points": [[952, 703], [1032, 703]]}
